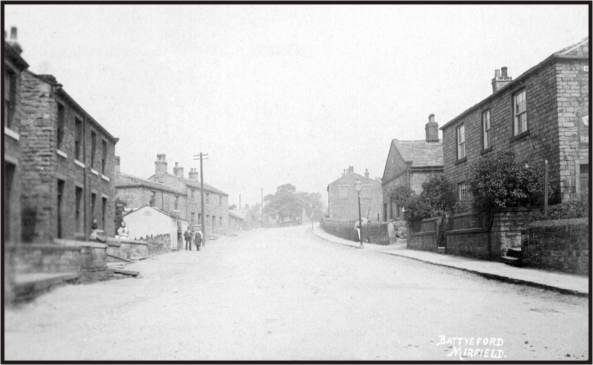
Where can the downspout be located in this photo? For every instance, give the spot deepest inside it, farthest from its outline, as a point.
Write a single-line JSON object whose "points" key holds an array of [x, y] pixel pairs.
{"points": [[85, 182]]}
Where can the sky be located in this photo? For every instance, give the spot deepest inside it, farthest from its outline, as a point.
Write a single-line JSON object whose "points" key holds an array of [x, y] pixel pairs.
{"points": [[281, 94]]}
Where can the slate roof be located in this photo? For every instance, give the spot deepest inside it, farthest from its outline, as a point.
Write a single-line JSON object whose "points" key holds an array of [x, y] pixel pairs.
{"points": [[353, 176], [124, 180], [579, 50], [193, 184], [164, 212], [420, 152]]}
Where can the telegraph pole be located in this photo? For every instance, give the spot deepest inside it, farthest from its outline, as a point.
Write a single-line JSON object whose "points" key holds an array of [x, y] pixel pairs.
{"points": [[202, 157]]}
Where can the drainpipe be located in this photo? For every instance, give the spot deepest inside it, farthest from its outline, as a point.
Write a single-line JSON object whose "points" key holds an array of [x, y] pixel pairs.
{"points": [[85, 183]]}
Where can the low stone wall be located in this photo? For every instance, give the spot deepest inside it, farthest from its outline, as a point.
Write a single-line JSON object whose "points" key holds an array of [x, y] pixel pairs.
{"points": [[469, 242], [558, 245], [373, 232], [127, 249], [86, 258]]}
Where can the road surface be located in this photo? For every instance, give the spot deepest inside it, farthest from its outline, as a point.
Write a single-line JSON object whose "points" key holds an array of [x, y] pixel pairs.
{"points": [[284, 294]]}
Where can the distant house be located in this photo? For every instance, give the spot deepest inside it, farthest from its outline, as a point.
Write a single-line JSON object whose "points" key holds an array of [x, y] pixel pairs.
{"points": [[151, 221], [410, 163], [237, 221], [343, 197], [216, 208], [541, 115]]}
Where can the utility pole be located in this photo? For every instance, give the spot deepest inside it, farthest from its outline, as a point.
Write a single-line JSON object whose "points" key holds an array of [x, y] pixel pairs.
{"points": [[202, 156]]}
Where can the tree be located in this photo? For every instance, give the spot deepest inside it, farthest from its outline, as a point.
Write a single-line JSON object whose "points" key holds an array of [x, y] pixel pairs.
{"points": [[401, 195], [312, 205], [288, 204], [439, 193], [437, 198]]}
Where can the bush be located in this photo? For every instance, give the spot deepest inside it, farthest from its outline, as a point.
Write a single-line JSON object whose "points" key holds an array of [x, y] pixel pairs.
{"points": [[440, 194], [499, 182]]}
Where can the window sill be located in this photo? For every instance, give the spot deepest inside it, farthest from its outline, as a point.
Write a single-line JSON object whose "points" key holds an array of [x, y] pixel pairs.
{"points": [[95, 172], [61, 153], [105, 178], [461, 160], [79, 163], [485, 151], [520, 136], [12, 134]]}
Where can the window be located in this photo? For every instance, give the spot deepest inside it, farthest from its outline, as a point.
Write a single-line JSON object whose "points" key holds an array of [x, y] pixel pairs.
{"points": [[460, 142], [200, 218], [177, 203], [520, 113], [584, 179], [220, 221], [93, 204], [78, 140], [462, 191], [60, 203], [78, 209], [60, 127], [103, 156], [486, 132], [207, 198], [220, 201], [193, 217], [93, 148], [103, 211], [9, 98], [213, 221], [152, 200]]}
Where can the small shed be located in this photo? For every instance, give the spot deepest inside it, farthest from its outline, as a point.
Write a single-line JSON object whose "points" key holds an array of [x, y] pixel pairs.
{"points": [[151, 221]]}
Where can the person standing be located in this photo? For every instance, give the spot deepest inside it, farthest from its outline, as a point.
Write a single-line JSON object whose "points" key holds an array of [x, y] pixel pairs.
{"points": [[198, 239], [391, 231], [187, 236]]}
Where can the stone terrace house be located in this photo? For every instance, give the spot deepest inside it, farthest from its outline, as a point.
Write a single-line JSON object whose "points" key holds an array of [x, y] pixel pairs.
{"points": [[410, 163], [67, 165], [343, 197], [136, 192], [14, 65], [215, 200], [540, 115]]}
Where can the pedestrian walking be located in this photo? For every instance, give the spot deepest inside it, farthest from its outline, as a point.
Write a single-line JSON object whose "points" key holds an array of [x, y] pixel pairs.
{"points": [[187, 235], [198, 239]]}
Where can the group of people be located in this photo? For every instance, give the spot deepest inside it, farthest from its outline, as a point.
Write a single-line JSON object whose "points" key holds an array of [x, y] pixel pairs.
{"points": [[193, 238]]}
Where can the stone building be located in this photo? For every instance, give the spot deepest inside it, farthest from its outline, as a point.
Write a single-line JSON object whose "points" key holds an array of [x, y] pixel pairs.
{"points": [[67, 164], [409, 164], [541, 115], [14, 65], [136, 192], [343, 197], [176, 194]]}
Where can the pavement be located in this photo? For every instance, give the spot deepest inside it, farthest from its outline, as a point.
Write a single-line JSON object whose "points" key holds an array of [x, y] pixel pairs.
{"points": [[285, 294], [561, 282]]}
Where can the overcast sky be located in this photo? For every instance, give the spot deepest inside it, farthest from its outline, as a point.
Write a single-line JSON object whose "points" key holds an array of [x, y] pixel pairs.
{"points": [[278, 94]]}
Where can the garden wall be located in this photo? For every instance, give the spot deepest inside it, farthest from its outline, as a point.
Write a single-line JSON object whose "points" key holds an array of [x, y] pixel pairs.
{"points": [[561, 244], [373, 232]]}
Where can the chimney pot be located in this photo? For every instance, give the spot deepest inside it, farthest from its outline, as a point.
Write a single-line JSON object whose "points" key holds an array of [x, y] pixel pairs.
{"points": [[501, 79], [503, 71], [160, 165]]}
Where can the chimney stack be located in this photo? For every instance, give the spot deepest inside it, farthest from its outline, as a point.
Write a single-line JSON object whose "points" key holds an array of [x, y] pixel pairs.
{"points": [[366, 173], [160, 165], [193, 173], [12, 40], [501, 79], [178, 170], [117, 164], [432, 129]]}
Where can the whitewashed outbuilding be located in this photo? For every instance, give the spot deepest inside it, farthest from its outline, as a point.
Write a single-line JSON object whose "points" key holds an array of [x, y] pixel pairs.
{"points": [[151, 221]]}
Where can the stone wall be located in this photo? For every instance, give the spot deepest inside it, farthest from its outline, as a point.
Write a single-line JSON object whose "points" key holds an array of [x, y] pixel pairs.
{"points": [[558, 245], [127, 249]]}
